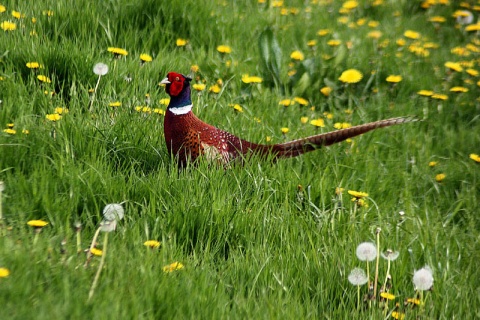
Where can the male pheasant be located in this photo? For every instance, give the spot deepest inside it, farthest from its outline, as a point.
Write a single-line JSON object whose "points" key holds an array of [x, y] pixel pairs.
{"points": [[188, 137]]}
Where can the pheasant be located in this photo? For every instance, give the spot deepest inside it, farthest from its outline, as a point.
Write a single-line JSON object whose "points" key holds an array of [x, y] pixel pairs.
{"points": [[188, 137]]}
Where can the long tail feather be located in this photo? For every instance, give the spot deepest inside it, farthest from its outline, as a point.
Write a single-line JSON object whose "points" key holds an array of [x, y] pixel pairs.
{"points": [[300, 146]]}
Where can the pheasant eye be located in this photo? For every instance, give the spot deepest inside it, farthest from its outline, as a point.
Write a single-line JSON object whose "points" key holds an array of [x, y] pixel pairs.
{"points": [[177, 79]]}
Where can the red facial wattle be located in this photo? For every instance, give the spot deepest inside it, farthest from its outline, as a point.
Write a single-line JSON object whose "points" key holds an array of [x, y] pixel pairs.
{"points": [[176, 83]]}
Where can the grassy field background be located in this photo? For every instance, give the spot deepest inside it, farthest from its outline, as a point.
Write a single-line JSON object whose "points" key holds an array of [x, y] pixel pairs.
{"points": [[260, 241]]}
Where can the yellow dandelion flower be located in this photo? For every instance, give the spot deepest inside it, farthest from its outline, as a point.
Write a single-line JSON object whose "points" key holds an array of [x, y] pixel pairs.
{"points": [[96, 252], [172, 267], [2, 8], [440, 177], [339, 190], [439, 96], [4, 272], [323, 32], [474, 157], [10, 131], [297, 55], [37, 223], [342, 125], [53, 117], [351, 76], [115, 104], [16, 14], [199, 86], [312, 43], [60, 110], [251, 79], [165, 101], [373, 24], [334, 43], [318, 122], [410, 34], [159, 111], [286, 102], [304, 120], [34, 65], [350, 4], [473, 27], [8, 26], [400, 42], [326, 91], [145, 57], [43, 78], [328, 115], [398, 315], [181, 42], [284, 130], [413, 301], [268, 138], [357, 194], [152, 243], [458, 89], [117, 51], [301, 101], [432, 163], [237, 107], [291, 73], [215, 88], [437, 19], [375, 34], [387, 296], [48, 13], [224, 49], [455, 66], [426, 93], [394, 78], [194, 68], [472, 72], [277, 3]]}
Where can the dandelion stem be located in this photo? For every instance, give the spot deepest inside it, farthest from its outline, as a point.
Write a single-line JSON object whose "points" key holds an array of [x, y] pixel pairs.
{"points": [[100, 267], [92, 245], [90, 108], [358, 297], [386, 276], [1, 212], [79, 242], [375, 284]]}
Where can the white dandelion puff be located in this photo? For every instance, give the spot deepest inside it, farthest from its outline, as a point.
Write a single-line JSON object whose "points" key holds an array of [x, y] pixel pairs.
{"points": [[113, 211], [366, 251], [423, 278], [358, 277], [100, 69], [390, 255]]}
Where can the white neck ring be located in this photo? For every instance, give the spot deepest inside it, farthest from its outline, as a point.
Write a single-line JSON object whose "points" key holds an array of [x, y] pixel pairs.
{"points": [[181, 110]]}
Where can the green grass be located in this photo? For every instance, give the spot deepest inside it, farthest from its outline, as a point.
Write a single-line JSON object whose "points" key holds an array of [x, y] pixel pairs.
{"points": [[253, 244]]}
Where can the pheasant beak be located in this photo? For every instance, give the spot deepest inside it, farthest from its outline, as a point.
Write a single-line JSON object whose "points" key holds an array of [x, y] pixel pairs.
{"points": [[165, 81]]}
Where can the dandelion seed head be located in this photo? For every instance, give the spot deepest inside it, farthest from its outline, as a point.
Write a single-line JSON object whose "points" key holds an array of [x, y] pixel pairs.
{"points": [[366, 251], [390, 255], [357, 277], [423, 278], [100, 69], [113, 211]]}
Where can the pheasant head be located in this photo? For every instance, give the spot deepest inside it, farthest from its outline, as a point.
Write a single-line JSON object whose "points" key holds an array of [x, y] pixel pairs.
{"points": [[177, 87]]}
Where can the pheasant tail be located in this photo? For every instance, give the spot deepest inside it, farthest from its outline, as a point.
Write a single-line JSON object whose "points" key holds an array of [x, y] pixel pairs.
{"points": [[300, 146]]}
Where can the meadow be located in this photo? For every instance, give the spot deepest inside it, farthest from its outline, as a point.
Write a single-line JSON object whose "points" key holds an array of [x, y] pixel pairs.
{"points": [[258, 241]]}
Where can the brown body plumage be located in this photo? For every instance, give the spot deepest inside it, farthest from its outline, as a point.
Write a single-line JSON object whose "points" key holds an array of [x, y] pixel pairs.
{"points": [[188, 137]]}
